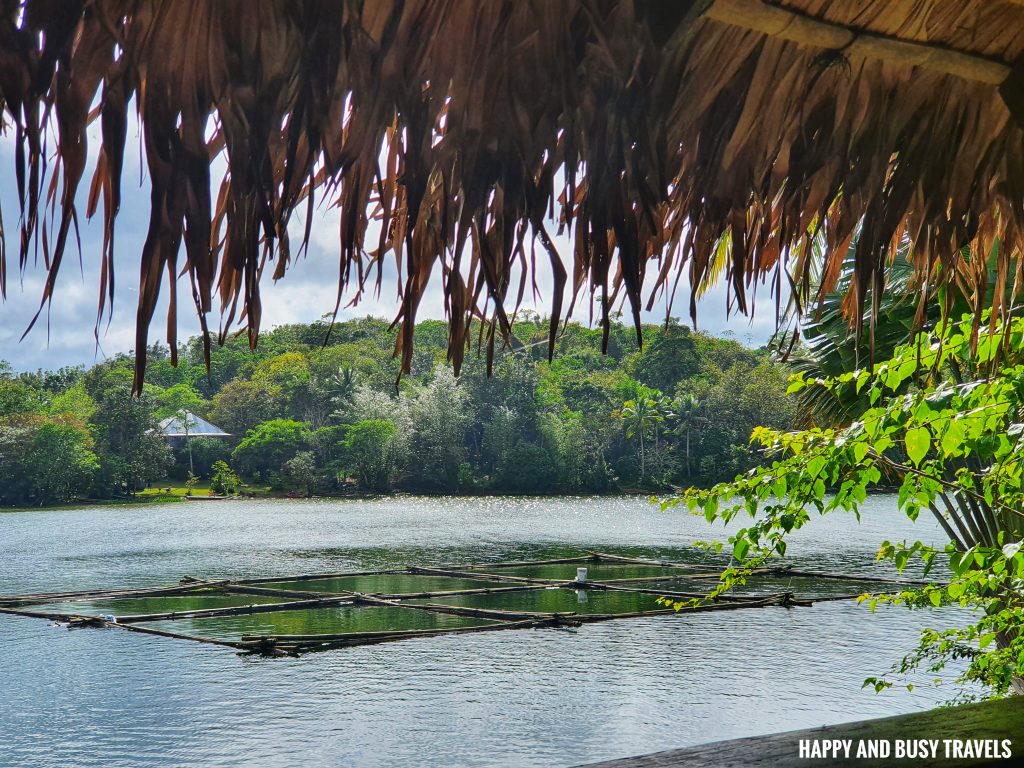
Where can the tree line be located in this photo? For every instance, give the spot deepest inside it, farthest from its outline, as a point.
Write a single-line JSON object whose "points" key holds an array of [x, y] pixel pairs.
{"points": [[317, 412]]}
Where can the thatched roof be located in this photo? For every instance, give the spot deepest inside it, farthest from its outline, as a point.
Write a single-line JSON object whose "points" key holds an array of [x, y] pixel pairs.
{"points": [[714, 136]]}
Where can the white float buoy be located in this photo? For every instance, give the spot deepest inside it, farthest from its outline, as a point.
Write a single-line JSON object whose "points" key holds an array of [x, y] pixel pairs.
{"points": [[581, 575]]}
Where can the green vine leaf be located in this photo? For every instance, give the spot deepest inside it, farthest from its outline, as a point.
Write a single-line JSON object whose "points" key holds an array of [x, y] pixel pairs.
{"points": [[918, 441]]}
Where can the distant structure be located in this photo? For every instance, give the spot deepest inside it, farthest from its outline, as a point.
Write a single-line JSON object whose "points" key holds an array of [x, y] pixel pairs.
{"points": [[177, 429]]}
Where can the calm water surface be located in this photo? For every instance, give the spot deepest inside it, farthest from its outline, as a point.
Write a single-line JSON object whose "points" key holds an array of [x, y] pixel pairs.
{"points": [[536, 697]]}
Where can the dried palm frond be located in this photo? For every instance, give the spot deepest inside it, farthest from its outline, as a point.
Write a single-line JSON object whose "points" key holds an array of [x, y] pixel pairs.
{"points": [[714, 136]]}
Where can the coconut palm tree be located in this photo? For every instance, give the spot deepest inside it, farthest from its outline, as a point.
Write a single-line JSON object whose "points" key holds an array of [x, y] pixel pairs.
{"points": [[641, 416], [831, 350], [686, 411]]}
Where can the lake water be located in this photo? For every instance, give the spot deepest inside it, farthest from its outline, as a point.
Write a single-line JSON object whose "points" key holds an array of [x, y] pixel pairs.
{"points": [[550, 697]]}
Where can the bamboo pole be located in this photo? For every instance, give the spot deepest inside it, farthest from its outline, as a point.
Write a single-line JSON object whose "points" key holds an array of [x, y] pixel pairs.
{"points": [[784, 600], [527, 563], [308, 643], [478, 575], [245, 589], [109, 594], [455, 592], [75, 621], [806, 30], [63, 617], [457, 610], [604, 586], [238, 610], [174, 635], [676, 577], [317, 576], [644, 561]]}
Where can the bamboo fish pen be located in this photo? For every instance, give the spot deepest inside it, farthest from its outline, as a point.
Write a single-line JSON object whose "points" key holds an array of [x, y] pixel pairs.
{"points": [[452, 608]]}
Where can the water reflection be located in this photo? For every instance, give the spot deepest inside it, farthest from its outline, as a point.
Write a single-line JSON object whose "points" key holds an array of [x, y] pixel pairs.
{"points": [[543, 697]]}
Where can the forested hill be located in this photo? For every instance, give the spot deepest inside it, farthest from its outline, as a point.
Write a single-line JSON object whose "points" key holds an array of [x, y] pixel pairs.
{"points": [[326, 418]]}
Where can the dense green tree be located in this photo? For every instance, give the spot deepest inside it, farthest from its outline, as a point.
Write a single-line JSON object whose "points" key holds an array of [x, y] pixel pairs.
{"points": [[328, 445], [669, 355], [525, 468], [242, 404], [641, 418], [50, 382], [439, 419], [74, 402], [269, 445], [223, 480], [740, 398], [301, 471], [44, 461], [289, 372], [178, 400], [578, 453], [60, 464], [17, 396], [500, 433], [127, 441], [369, 451]]}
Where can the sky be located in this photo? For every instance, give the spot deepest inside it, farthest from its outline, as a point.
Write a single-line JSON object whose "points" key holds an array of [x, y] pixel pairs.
{"points": [[64, 334]]}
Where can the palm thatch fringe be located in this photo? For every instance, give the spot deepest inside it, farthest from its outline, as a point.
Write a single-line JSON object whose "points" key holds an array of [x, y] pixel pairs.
{"points": [[717, 138]]}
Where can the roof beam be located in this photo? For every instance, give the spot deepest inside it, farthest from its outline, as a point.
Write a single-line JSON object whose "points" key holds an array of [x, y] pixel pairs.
{"points": [[799, 28]]}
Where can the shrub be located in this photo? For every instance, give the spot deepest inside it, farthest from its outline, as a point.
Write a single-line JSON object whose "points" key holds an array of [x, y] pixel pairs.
{"points": [[223, 480]]}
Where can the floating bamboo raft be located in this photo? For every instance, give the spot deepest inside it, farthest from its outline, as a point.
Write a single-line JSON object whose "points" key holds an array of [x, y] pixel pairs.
{"points": [[490, 581]]}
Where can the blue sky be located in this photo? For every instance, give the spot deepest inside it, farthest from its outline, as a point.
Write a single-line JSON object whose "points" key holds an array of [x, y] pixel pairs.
{"points": [[64, 335]]}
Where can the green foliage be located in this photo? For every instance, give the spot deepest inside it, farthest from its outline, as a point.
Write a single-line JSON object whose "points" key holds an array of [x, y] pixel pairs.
{"points": [[269, 445], [74, 403], [449, 436], [943, 420], [223, 481], [369, 451], [191, 481], [206, 452], [179, 400], [289, 373], [300, 471], [525, 468], [578, 454], [670, 357], [438, 412], [60, 464], [642, 418], [242, 404], [43, 461], [17, 396], [328, 444], [131, 452]]}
